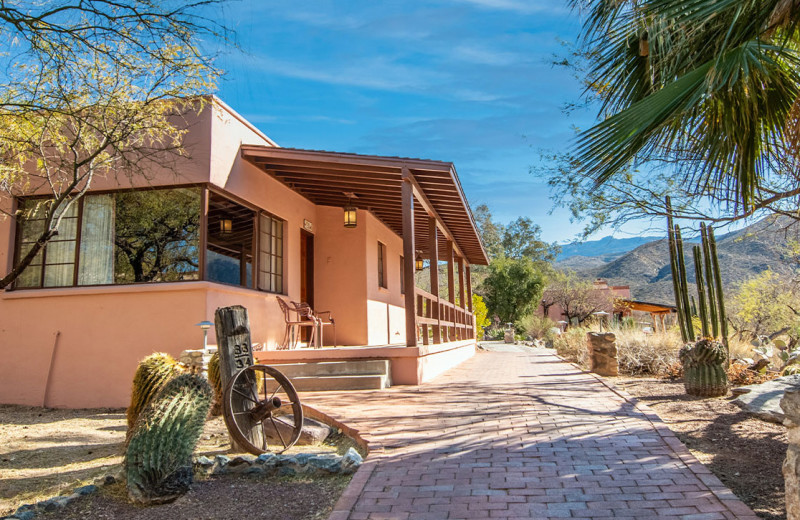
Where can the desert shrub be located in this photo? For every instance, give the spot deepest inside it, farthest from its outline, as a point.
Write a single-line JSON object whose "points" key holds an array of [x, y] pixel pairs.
{"points": [[538, 327], [481, 315], [740, 375], [572, 346], [639, 353]]}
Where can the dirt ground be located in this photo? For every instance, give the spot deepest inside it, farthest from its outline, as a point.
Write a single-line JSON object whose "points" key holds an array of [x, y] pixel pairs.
{"points": [[745, 453], [47, 452]]}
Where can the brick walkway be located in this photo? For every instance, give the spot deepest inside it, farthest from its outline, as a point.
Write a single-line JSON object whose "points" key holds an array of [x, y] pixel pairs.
{"points": [[519, 435]]}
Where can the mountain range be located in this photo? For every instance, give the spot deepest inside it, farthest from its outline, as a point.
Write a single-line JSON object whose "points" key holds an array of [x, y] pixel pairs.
{"points": [[645, 267]]}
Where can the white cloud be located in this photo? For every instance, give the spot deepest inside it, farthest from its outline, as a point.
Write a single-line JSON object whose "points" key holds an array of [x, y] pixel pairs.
{"points": [[522, 6]]}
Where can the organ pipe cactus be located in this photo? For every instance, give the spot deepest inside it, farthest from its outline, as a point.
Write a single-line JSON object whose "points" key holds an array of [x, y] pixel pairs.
{"points": [[158, 460], [152, 374], [704, 361], [704, 368]]}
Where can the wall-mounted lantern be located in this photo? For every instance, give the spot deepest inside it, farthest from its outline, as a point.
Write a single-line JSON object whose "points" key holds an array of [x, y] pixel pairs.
{"points": [[350, 211], [226, 226], [418, 261]]}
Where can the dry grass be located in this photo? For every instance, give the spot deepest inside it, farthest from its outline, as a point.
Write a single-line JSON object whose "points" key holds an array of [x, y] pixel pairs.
{"points": [[649, 354], [45, 452]]}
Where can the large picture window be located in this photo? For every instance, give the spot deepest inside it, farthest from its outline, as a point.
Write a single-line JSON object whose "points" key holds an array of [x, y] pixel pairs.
{"points": [[125, 237], [152, 235]]}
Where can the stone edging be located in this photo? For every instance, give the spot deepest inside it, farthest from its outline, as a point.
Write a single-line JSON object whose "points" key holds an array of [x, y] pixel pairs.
{"points": [[723, 494], [30, 511]]}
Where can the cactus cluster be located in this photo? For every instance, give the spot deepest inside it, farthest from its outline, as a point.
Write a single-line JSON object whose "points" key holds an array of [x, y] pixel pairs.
{"points": [[153, 373], [705, 361], [704, 371], [158, 460], [215, 378]]}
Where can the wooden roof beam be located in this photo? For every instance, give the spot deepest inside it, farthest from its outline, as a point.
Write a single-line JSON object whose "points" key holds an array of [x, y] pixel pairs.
{"points": [[429, 209]]}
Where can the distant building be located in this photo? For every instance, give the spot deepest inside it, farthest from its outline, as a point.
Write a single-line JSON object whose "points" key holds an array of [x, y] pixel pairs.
{"points": [[606, 298]]}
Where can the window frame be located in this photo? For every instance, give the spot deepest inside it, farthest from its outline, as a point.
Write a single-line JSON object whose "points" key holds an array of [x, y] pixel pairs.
{"points": [[383, 283], [205, 190], [282, 257]]}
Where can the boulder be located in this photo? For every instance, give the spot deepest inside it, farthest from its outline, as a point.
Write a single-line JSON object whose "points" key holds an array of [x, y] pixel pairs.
{"points": [[763, 400]]}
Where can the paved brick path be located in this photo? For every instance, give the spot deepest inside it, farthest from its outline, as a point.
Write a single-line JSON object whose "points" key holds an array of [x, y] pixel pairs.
{"points": [[519, 435]]}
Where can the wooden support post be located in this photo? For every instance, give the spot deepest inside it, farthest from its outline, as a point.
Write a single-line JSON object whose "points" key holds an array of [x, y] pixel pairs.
{"points": [[451, 289], [410, 253], [469, 286], [433, 246], [421, 312], [235, 353], [461, 300]]}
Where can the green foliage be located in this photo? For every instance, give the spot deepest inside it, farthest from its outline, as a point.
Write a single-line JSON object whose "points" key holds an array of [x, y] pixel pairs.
{"points": [[97, 89], [513, 288], [481, 315], [151, 375], [703, 87], [704, 84], [516, 240], [158, 461], [704, 366], [156, 235], [764, 306]]}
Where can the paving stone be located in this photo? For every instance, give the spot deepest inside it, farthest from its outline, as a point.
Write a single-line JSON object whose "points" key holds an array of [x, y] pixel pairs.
{"points": [[519, 435]]}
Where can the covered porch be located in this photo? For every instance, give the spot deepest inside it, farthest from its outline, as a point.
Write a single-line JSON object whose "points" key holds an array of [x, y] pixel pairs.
{"points": [[422, 203]]}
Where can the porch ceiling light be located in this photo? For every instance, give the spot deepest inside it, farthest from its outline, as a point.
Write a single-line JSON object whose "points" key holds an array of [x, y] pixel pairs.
{"points": [[226, 226], [418, 262], [350, 212]]}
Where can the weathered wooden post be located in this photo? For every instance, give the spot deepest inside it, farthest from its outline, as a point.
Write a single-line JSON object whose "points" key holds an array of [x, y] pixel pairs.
{"points": [[235, 353]]}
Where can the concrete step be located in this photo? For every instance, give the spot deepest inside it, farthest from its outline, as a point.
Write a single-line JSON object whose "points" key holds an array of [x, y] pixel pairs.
{"points": [[367, 367], [368, 374], [339, 383]]}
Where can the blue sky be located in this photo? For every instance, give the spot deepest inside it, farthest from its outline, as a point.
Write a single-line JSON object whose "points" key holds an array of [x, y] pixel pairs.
{"points": [[466, 81]]}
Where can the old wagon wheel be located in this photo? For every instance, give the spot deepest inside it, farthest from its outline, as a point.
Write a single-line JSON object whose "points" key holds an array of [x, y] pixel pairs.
{"points": [[261, 407]]}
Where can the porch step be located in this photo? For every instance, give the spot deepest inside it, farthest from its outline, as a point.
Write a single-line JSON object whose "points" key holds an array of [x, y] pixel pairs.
{"points": [[373, 374]]}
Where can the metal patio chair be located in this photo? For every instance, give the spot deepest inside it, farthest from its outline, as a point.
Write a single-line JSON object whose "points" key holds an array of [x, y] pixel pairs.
{"points": [[295, 319]]}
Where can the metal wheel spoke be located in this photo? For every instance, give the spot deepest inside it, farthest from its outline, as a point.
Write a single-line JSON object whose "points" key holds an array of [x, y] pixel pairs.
{"points": [[292, 426], [264, 433], [276, 391], [246, 396], [277, 430]]}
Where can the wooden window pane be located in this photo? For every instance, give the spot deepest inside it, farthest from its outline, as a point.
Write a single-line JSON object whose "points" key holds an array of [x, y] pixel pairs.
{"points": [[31, 276]]}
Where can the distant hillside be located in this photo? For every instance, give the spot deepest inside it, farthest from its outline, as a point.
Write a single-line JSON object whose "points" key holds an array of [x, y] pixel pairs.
{"points": [[606, 249], [742, 254]]}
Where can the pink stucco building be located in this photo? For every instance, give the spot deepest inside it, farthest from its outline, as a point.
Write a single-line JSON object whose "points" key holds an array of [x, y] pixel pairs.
{"points": [[138, 263]]}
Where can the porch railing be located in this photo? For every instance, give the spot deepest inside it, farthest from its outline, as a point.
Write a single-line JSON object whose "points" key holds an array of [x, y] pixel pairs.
{"points": [[450, 323]]}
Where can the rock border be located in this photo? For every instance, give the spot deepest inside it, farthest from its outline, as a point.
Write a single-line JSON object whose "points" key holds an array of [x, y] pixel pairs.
{"points": [[268, 464]]}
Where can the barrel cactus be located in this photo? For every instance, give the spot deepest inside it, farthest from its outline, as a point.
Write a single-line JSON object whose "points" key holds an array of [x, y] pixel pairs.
{"points": [[215, 378], [158, 460], [153, 373], [704, 372]]}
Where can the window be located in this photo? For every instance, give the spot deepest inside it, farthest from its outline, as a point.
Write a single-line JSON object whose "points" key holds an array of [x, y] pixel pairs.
{"points": [[382, 265], [54, 266], [152, 236], [402, 275], [231, 235], [126, 237], [270, 261]]}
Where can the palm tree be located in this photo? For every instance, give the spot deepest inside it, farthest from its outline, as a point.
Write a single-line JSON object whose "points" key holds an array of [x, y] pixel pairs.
{"points": [[711, 86]]}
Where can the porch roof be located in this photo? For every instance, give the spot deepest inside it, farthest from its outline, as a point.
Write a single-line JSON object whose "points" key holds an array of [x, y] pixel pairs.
{"points": [[325, 178]]}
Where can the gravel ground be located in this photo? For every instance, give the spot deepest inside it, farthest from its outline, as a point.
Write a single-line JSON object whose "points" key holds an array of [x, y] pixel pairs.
{"points": [[47, 452], [225, 497], [745, 453]]}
